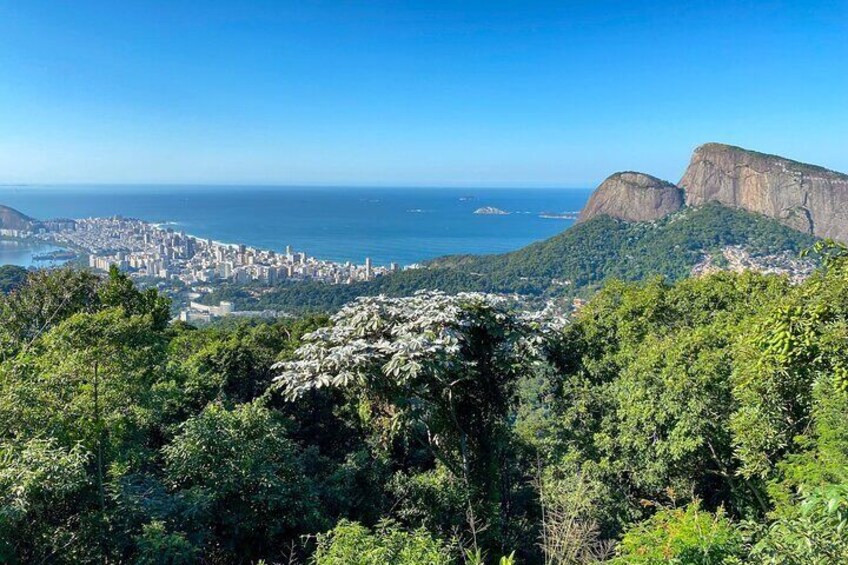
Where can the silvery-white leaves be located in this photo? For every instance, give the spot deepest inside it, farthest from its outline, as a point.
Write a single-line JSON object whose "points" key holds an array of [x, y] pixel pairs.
{"points": [[399, 339]]}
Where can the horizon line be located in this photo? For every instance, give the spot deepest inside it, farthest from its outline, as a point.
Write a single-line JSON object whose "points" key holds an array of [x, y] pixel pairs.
{"points": [[291, 185]]}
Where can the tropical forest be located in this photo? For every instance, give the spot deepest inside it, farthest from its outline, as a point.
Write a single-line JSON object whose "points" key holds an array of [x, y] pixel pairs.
{"points": [[700, 421]]}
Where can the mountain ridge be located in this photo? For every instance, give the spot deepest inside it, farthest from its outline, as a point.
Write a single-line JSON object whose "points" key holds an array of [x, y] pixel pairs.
{"points": [[633, 196], [809, 198], [11, 219], [806, 197]]}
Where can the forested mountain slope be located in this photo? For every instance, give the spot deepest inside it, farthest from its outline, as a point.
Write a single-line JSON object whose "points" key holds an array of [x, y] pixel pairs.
{"points": [[604, 247]]}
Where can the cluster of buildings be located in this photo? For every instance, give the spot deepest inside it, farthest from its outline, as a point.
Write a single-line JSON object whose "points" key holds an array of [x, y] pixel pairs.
{"points": [[150, 250], [737, 259], [20, 234]]}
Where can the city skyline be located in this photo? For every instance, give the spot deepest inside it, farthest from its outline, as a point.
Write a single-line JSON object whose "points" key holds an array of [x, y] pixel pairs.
{"points": [[414, 94]]}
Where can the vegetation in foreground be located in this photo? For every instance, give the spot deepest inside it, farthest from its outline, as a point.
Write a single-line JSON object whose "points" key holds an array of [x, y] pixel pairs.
{"points": [[696, 422], [11, 277]]}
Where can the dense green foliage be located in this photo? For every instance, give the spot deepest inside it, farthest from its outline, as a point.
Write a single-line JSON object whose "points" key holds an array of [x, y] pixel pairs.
{"points": [[693, 422], [605, 248], [681, 535], [574, 262], [11, 277], [352, 544]]}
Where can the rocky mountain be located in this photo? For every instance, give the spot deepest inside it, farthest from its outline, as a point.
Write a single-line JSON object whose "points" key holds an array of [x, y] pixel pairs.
{"points": [[805, 197], [11, 219], [633, 197]]}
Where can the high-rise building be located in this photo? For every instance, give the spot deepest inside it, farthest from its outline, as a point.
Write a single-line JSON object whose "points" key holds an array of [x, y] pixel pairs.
{"points": [[369, 269]]}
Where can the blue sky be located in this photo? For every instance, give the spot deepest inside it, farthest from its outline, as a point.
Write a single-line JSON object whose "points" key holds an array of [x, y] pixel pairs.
{"points": [[412, 93]]}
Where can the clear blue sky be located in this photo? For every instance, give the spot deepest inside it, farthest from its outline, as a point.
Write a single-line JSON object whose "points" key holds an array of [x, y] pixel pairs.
{"points": [[486, 93]]}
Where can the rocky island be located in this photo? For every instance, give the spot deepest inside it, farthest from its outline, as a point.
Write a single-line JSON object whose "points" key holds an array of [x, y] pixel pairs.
{"points": [[491, 211]]}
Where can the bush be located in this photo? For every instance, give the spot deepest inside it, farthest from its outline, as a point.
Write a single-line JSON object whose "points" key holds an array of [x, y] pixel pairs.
{"points": [[814, 531], [157, 546], [350, 543], [681, 536]]}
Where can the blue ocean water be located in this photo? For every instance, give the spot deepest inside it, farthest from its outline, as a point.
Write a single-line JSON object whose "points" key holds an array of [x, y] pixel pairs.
{"points": [[403, 225]]}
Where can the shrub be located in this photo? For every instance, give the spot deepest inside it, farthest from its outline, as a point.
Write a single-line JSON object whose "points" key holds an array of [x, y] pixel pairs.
{"points": [[681, 536], [350, 543]]}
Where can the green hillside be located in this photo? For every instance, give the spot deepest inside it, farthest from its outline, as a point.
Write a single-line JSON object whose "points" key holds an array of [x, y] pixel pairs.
{"points": [[603, 247], [571, 263]]}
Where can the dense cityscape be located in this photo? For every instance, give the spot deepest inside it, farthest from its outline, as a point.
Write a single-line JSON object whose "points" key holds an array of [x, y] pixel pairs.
{"points": [[150, 250]]}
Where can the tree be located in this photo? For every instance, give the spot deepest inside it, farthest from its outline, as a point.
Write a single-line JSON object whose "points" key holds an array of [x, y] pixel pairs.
{"points": [[11, 278], [796, 343], [247, 475], [46, 299], [85, 384], [42, 486], [118, 291], [643, 397], [441, 370], [156, 546]]}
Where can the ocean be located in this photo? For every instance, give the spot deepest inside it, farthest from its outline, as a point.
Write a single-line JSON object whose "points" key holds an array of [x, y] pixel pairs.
{"points": [[401, 225]]}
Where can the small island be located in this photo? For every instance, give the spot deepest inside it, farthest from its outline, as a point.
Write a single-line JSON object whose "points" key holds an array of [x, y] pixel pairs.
{"points": [[491, 211], [560, 215]]}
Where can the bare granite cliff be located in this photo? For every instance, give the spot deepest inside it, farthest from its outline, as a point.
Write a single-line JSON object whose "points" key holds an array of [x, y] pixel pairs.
{"points": [[634, 197], [805, 197]]}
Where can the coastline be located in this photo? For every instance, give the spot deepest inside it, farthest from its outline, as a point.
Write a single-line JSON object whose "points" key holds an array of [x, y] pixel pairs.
{"points": [[334, 224]]}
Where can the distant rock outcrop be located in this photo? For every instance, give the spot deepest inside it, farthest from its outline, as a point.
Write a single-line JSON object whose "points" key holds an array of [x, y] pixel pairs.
{"points": [[805, 197], [634, 197], [491, 211], [11, 219]]}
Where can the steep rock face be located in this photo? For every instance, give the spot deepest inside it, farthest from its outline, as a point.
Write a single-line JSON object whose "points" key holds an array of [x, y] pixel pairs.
{"points": [[805, 197], [11, 219], [634, 197]]}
